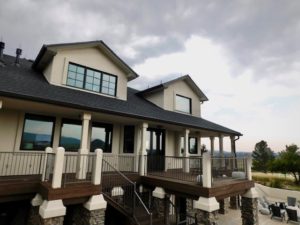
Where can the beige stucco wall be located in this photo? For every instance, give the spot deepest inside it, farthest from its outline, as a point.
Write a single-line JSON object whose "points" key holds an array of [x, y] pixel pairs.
{"points": [[166, 98], [8, 129], [181, 88], [56, 72], [156, 98]]}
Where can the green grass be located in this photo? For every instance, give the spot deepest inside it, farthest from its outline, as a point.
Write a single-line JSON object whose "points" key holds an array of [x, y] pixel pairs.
{"points": [[275, 181]]}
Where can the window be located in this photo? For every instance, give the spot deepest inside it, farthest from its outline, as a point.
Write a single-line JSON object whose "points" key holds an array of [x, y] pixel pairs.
{"points": [[92, 80], [37, 132], [183, 104], [70, 136], [193, 146], [128, 146], [101, 137]]}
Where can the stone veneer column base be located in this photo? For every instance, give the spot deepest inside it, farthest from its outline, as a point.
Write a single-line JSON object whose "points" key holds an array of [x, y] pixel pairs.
{"points": [[207, 218], [82, 216], [249, 211], [224, 206], [159, 203], [234, 202], [52, 221]]}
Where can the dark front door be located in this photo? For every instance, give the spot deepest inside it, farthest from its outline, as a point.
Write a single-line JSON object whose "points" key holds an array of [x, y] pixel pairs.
{"points": [[155, 149]]}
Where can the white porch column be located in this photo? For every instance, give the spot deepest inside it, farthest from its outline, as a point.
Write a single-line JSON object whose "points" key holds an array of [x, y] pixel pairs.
{"points": [[248, 168], [221, 149], [143, 152], [1, 104], [97, 167], [84, 147], [58, 167], [232, 144], [206, 168], [212, 145], [199, 143], [186, 154]]}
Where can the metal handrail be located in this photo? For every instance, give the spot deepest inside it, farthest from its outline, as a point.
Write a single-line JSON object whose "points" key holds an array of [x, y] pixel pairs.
{"points": [[135, 194], [117, 171]]}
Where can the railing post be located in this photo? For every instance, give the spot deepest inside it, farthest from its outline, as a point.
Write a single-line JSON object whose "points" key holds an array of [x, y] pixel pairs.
{"points": [[206, 168], [97, 167], [248, 167], [48, 150], [58, 167]]}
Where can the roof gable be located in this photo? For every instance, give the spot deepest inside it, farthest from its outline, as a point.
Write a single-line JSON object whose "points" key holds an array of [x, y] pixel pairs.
{"points": [[185, 78], [47, 53]]}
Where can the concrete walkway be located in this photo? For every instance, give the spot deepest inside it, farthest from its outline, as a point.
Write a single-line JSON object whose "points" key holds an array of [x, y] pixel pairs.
{"points": [[234, 218]]}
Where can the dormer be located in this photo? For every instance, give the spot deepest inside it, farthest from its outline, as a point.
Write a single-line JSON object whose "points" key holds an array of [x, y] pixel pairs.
{"points": [[85, 66], [180, 95]]}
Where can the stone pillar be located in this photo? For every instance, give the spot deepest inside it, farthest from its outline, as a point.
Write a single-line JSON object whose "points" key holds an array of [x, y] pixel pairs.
{"points": [[83, 216], [249, 208], [92, 212], [224, 206], [143, 152], [207, 210], [84, 147], [34, 216], [234, 202], [52, 212], [212, 145], [159, 195], [186, 154]]}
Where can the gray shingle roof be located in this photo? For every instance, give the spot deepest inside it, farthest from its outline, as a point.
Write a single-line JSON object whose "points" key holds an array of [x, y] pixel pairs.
{"points": [[25, 83]]}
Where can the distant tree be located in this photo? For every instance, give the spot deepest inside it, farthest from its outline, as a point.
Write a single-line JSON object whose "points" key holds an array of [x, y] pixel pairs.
{"points": [[288, 161], [262, 156]]}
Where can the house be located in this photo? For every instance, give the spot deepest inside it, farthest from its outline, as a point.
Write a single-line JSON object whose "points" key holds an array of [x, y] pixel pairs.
{"points": [[78, 146]]}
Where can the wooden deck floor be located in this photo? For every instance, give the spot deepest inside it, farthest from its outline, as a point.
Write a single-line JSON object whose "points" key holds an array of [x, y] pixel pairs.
{"points": [[221, 188]]}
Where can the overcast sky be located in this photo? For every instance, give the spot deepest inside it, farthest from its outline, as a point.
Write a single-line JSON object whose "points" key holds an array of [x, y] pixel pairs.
{"points": [[245, 55]]}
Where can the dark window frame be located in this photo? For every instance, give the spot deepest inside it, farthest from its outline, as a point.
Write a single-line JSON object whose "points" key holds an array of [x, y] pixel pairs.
{"points": [[190, 103], [69, 121], [196, 145], [103, 125], [133, 140], [37, 117], [85, 75]]}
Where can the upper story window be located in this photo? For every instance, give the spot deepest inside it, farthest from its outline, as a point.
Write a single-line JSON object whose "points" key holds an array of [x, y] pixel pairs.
{"points": [[92, 80], [37, 132], [183, 104]]}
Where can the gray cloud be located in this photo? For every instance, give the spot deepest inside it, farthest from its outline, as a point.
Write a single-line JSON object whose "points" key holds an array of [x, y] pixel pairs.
{"points": [[259, 35]]}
